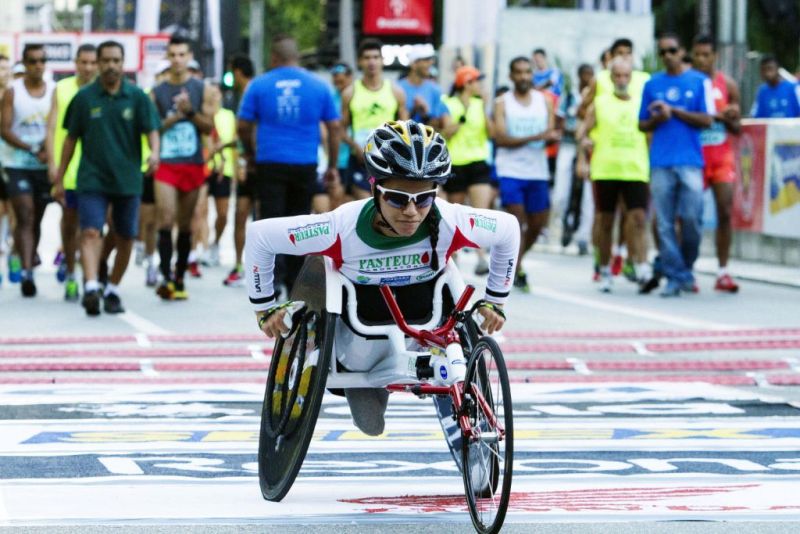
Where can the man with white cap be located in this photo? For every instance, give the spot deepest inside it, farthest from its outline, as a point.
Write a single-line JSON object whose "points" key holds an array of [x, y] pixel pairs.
{"points": [[423, 96]]}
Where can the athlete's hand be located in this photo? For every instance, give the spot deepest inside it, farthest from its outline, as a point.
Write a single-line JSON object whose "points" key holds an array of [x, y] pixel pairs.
{"points": [[732, 112], [152, 163], [331, 177], [660, 110], [42, 155], [182, 102], [58, 190], [273, 327], [492, 321], [582, 170], [551, 136]]}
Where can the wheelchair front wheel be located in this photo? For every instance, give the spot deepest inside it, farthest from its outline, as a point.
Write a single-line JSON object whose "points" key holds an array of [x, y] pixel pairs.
{"points": [[487, 456], [295, 387]]}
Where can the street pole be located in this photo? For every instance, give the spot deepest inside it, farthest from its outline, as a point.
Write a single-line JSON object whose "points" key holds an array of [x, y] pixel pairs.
{"points": [[347, 38], [257, 34]]}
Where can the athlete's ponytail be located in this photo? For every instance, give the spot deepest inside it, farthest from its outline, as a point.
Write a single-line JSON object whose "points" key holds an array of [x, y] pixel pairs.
{"points": [[433, 219]]}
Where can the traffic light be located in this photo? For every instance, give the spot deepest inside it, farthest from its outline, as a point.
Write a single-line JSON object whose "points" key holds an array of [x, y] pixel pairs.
{"points": [[227, 80]]}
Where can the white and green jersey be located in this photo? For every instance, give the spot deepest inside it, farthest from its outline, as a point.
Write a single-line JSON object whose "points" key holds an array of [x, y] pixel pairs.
{"points": [[365, 256]]}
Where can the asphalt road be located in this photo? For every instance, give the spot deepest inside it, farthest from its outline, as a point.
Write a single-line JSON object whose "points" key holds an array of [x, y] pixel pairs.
{"points": [[633, 413]]}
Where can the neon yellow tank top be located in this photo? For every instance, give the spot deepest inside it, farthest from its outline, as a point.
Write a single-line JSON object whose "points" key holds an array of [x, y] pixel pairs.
{"points": [[225, 123], [370, 109], [620, 149], [66, 90], [606, 87], [470, 143]]}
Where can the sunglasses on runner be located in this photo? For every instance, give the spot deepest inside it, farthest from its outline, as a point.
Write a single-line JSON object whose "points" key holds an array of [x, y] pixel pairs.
{"points": [[671, 51], [400, 199]]}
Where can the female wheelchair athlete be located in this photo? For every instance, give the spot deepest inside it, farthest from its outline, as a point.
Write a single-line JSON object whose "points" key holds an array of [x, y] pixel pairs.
{"points": [[472, 398]]}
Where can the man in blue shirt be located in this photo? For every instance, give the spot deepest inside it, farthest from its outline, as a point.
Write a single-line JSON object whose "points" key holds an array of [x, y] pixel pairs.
{"points": [[423, 96], [675, 107], [544, 76], [777, 98], [285, 107]]}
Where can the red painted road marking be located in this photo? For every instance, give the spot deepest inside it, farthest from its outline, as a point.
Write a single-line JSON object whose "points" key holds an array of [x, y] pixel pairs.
{"points": [[726, 380], [759, 344], [512, 334], [688, 365], [631, 499], [784, 379], [154, 352]]}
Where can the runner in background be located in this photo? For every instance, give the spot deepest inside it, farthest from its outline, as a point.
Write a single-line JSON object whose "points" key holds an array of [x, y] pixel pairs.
{"points": [[468, 135], [185, 107], [572, 195], [66, 89], [720, 168], [545, 76], [243, 73], [367, 104], [524, 122], [619, 170], [341, 78], [6, 223], [109, 116], [423, 96], [287, 105], [25, 106], [224, 159], [200, 228]]}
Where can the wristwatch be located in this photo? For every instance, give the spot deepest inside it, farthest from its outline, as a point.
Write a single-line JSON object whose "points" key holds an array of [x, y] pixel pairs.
{"points": [[35, 148]]}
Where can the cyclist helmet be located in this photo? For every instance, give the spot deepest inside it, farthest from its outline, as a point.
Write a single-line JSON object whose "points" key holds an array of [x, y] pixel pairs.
{"points": [[407, 149]]}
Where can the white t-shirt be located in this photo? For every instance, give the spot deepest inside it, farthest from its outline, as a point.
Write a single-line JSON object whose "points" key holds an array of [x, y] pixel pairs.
{"points": [[529, 161], [367, 257]]}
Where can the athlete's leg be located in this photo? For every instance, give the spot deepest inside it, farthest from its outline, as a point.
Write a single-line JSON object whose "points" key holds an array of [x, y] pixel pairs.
{"points": [[723, 196], [244, 206], [221, 204], [187, 202], [199, 223], [166, 212], [23, 208]]}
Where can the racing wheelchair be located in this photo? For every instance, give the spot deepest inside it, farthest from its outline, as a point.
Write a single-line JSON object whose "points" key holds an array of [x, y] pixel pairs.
{"points": [[447, 359]]}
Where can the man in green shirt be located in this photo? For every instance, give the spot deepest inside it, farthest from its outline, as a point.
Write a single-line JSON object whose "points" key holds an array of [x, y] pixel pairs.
{"points": [[108, 116]]}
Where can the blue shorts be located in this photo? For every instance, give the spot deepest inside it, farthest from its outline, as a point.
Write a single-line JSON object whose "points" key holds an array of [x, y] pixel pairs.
{"points": [[71, 199], [92, 209], [533, 194]]}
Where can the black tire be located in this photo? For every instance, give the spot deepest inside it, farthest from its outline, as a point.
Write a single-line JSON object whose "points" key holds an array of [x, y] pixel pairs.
{"points": [[292, 399], [491, 462]]}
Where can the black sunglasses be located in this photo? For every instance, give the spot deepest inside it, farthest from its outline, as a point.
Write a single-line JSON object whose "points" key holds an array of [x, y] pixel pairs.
{"points": [[665, 51], [34, 61], [400, 199]]}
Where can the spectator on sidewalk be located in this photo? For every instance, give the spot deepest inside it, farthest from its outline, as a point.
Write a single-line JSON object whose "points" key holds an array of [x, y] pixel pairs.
{"points": [[777, 98], [675, 107]]}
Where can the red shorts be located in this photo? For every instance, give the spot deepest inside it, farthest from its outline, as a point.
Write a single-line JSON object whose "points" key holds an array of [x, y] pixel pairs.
{"points": [[719, 166], [184, 177]]}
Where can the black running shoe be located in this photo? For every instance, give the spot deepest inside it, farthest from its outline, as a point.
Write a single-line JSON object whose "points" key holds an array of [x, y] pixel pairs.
{"points": [[648, 286], [91, 302], [28, 287], [112, 304]]}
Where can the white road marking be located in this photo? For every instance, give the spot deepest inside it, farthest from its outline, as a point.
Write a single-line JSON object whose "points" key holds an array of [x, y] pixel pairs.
{"points": [[141, 324], [147, 368], [640, 348], [579, 365], [142, 340], [640, 313]]}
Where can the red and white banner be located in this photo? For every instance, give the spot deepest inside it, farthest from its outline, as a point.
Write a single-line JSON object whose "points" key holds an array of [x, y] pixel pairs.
{"points": [[748, 192], [398, 17]]}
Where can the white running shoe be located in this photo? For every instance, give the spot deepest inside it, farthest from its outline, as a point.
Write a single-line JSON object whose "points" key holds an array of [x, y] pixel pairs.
{"points": [[213, 255]]}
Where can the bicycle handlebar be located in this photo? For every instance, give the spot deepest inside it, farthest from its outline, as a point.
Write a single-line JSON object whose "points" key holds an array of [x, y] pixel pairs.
{"points": [[426, 337]]}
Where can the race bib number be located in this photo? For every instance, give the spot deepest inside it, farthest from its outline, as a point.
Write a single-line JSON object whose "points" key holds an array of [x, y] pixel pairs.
{"points": [[716, 135], [180, 141], [523, 127]]}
